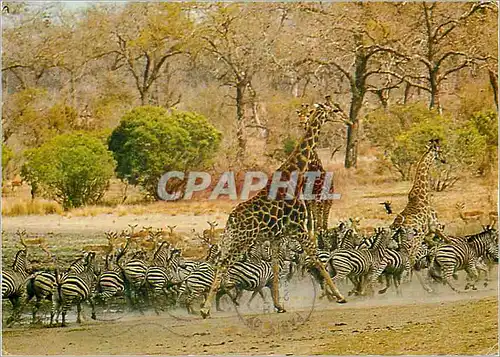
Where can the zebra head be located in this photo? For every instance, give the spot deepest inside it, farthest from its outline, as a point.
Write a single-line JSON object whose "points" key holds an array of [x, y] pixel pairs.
{"points": [[91, 264], [491, 236]]}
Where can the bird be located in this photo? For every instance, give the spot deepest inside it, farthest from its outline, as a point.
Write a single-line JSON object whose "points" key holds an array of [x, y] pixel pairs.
{"points": [[387, 206]]}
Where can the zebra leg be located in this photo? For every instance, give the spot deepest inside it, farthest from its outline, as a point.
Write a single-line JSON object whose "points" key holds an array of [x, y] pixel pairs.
{"points": [[421, 281], [54, 310], [14, 300], [254, 294], [79, 311], [473, 274], [484, 268], [218, 296], [387, 283], [92, 304], [36, 307], [65, 305], [448, 271], [397, 283]]}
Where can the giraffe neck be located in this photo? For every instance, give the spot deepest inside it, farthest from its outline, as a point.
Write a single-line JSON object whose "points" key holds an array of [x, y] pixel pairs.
{"points": [[420, 189], [307, 147]]}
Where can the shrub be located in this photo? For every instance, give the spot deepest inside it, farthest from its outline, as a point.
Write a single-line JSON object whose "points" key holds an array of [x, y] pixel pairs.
{"points": [[7, 156], [403, 132], [151, 141], [73, 169]]}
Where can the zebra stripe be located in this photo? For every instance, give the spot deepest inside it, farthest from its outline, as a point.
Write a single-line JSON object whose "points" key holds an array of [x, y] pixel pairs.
{"points": [[357, 264], [13, 284], [464, 254], [74, 288], [197, 283]]}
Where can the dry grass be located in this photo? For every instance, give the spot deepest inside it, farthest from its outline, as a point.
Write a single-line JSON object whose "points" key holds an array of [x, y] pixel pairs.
{"points": [[21, 207]]}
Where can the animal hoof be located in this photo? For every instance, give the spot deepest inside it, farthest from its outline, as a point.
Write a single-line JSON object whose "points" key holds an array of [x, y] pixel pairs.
{"points": [[474, 288], [93, 316], [381, 291], [485, 284], [341, 301], [280, 310], [204, 312]]}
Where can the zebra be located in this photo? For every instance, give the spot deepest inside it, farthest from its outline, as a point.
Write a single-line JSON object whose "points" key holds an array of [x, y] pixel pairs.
{"points": [[464, 254], [357, 264], [75, 288], [40, 285], [197, 283], [331, 238], [134, 272], [392, 267], [13, 284], [110, 283], [250, 276], [161, 275]]}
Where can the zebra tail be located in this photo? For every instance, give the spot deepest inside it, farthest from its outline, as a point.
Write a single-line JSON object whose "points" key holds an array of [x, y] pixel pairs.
{"points": [[58, 285], [30, 287]]}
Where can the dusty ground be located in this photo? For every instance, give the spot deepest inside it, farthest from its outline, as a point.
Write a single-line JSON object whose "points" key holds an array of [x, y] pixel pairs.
{"points": [[442, 323]]}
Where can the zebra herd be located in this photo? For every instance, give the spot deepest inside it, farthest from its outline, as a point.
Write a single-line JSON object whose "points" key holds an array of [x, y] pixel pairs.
{"points": [[162, 277]]}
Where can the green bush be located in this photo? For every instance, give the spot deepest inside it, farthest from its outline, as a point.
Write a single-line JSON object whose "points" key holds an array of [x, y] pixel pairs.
{"points": [[403, 132], [151, 141], [7, 156], [74, 169]]}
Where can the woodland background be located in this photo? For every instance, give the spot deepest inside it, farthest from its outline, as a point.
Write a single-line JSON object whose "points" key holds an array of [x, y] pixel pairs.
{"points": [[402, 72]]}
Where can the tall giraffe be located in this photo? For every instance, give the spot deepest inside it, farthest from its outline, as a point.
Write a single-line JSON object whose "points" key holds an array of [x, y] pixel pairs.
{"points": [[319, 207], [418, 213], [264, 218]]}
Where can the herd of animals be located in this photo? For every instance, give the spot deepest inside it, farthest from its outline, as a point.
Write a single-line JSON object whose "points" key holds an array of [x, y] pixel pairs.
{"points": [[264, 241]]}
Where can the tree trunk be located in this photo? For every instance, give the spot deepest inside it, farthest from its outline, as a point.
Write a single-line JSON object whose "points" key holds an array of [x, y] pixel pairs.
{"points": [[494, 85], [240, 115], [407, 93], [351, 153], [435, 102]]}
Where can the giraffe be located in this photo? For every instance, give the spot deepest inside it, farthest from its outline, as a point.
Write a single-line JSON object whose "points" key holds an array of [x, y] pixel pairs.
{"points": [[264, 218], [418, 213], [319, 207]]}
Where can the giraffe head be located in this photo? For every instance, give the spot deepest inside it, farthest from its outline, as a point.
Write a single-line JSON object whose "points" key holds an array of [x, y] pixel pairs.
{"points": [[320, 113], [435, 147]]}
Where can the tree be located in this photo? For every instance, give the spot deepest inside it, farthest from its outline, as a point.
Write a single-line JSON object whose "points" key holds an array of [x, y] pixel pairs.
{"points": [[358, 42], [144, 38], [74, 169], [239, 38], [150, 141], [439, 45]]}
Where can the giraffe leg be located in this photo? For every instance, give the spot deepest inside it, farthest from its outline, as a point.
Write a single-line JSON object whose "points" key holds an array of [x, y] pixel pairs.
{"points": [[275, 282], [205, 308], [310, 250]]}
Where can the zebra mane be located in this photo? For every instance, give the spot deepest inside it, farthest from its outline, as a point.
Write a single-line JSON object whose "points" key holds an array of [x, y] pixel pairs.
{"points": [[159, 250], [487, 232], [21, 254]]}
